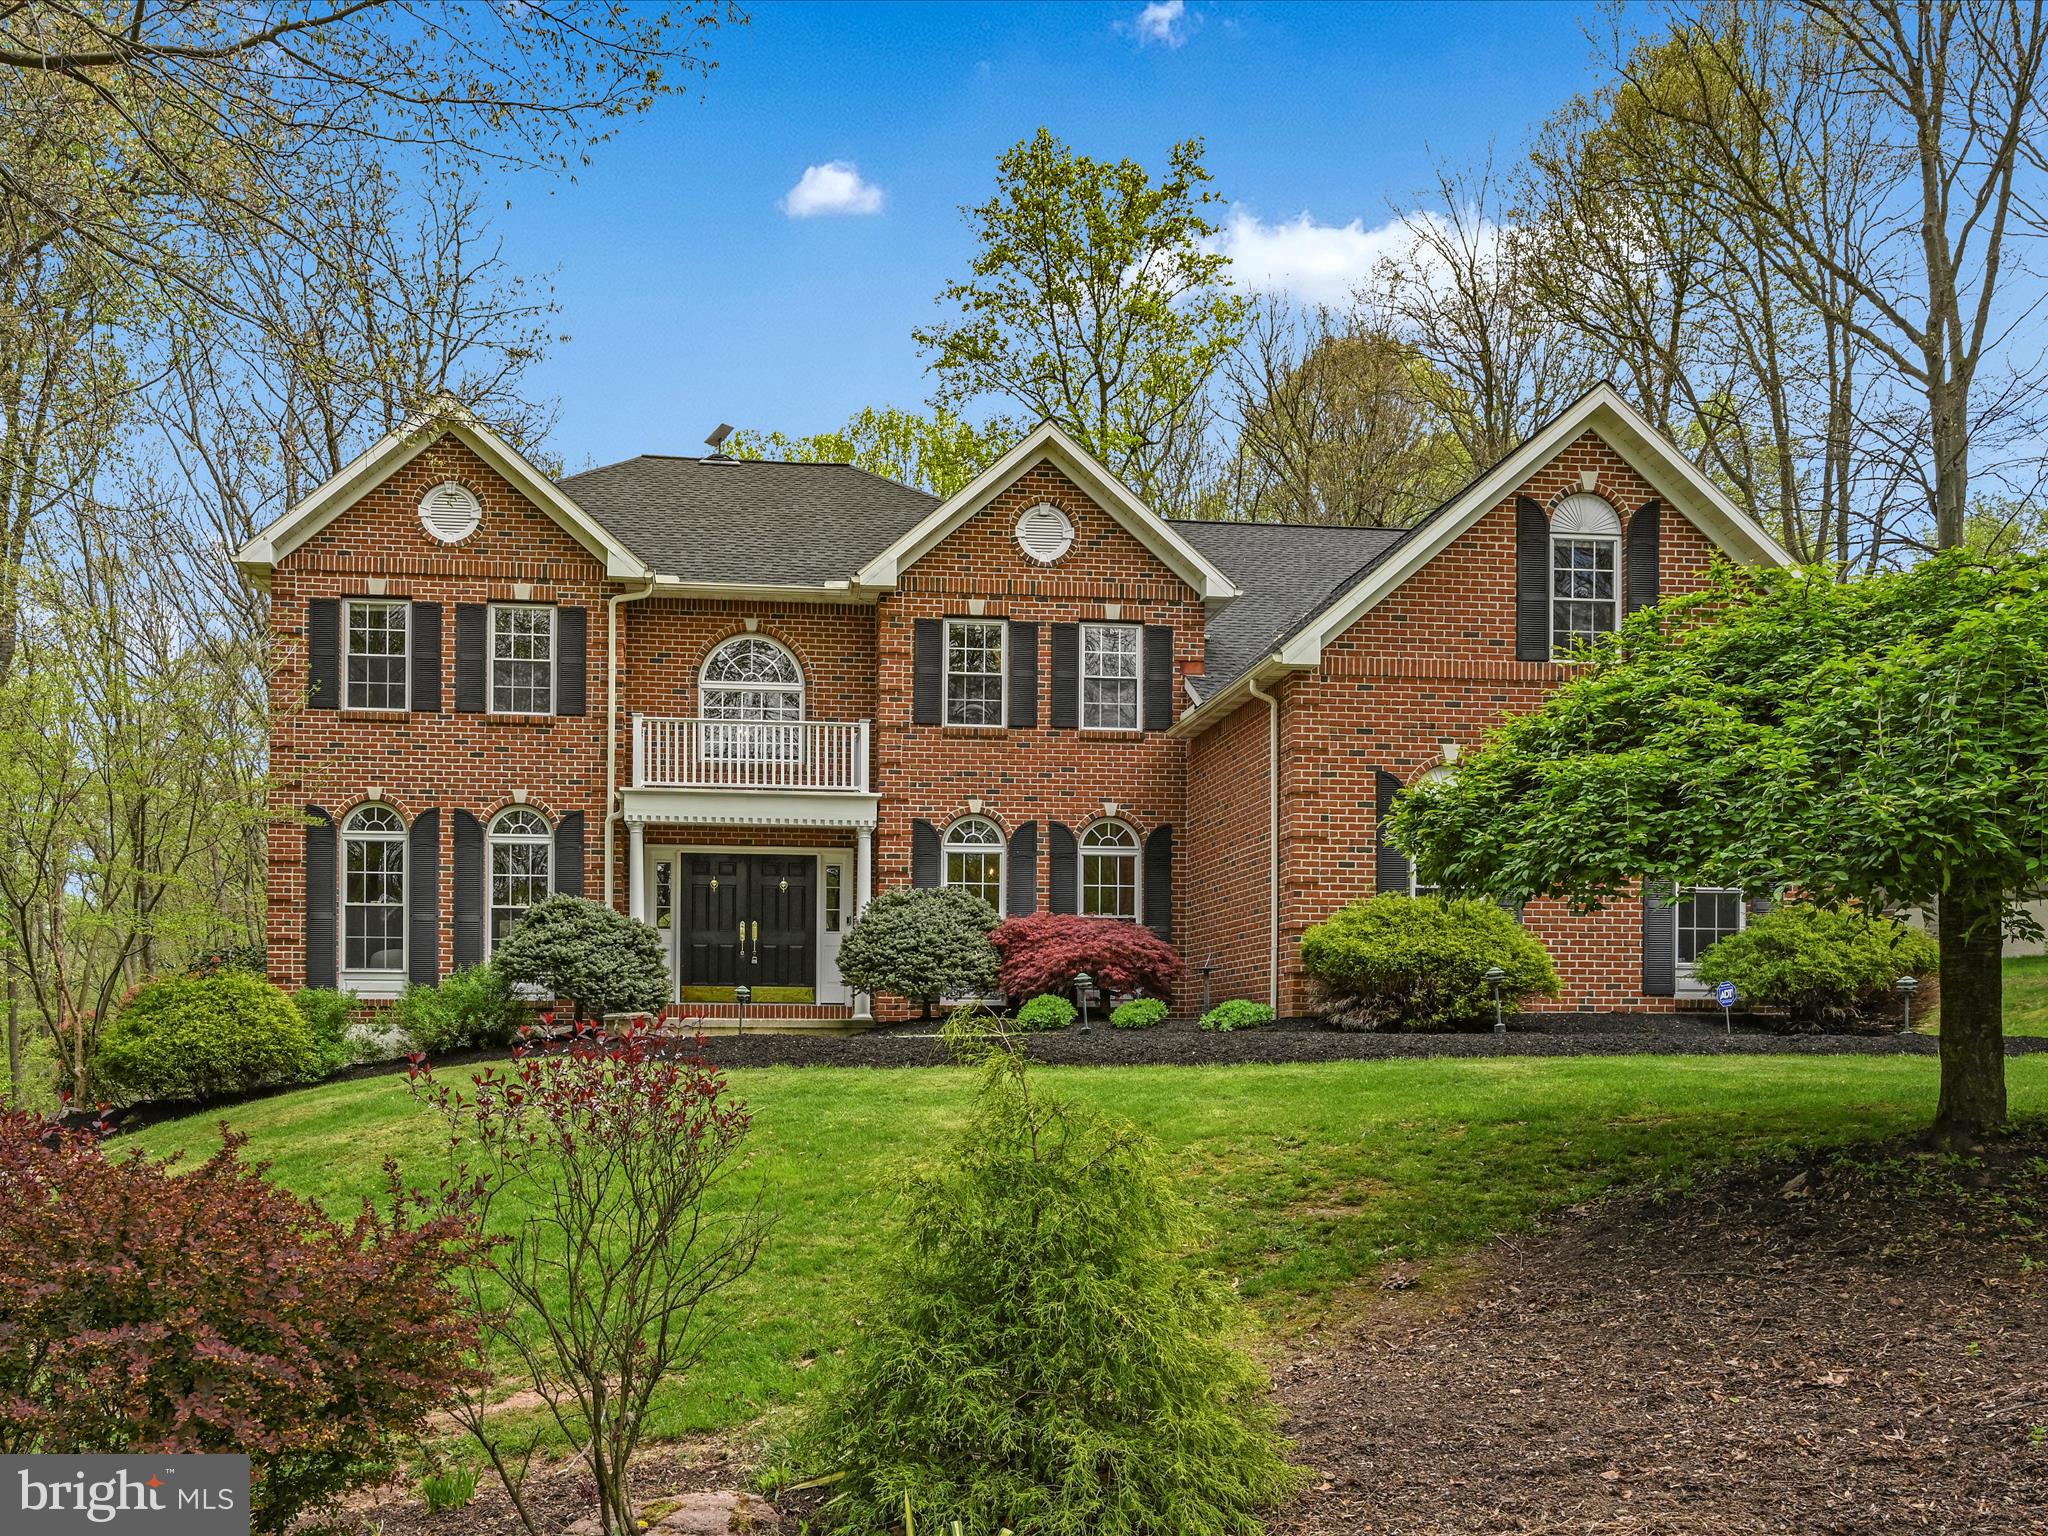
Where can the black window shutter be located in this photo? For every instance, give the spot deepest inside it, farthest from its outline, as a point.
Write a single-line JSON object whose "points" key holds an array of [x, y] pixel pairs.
{"points": [[423, 900], [1159, 882], [323, 654], [1660, 943], [1064, 888], [928, 672], [1642, 555], [323, 952], [469, 890], [572, 659], [426, 658], [1390, 876], [1066, 678], [1532, 580], [569, 854], [1021, 878], [1158, 676], [1023, 643], [472, 635], [924, 855]]}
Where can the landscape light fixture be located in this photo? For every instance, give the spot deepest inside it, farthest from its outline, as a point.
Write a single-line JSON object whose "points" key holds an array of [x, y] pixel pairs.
{"points": [[743, 995], [1082, 983], [1494, 977], [1906, 987], [1208, 968]]}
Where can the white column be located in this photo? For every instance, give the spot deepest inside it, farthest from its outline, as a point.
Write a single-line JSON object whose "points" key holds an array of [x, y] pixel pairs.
{"points": [[863, 889], [636, 869]]}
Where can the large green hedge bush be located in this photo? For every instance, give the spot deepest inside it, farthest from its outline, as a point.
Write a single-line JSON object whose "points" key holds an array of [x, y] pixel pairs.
{"points": [[923, 945], [1420, 962], [1827, 966], [586, 955], [471, 1009], [204, 1037]]}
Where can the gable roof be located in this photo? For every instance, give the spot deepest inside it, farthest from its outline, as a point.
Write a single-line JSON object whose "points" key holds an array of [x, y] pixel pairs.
{"points": [[442, 416], [1601, 410], [1048, 442]]}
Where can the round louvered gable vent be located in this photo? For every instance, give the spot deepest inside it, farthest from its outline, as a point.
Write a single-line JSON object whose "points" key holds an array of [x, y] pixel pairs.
{"points": [[451, 512], [1044, 533]]}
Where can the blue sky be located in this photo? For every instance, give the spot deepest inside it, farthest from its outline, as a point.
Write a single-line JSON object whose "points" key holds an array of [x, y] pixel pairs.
{"points": [[690, 295]]}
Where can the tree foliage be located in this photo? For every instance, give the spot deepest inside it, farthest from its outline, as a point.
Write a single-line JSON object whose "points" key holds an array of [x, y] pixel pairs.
{"points": [[939, 453], [581, 951], [1045, 951]]}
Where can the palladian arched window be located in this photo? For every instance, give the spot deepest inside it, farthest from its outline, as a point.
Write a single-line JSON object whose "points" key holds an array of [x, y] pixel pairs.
{"points": [[1585, 571], [752, 678], [974, 859], [521, 867], [1109, 871]]}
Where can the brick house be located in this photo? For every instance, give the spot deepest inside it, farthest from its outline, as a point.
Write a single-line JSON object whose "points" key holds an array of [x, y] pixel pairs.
{"points": [[736, 698]]}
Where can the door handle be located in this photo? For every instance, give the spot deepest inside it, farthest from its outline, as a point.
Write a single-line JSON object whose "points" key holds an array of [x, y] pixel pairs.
{"points": [[743, 939], [757, 941]]}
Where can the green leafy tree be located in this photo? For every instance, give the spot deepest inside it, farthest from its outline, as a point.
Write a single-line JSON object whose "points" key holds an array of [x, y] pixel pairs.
{"points": [[939, 453], [1094, 300], [1884, 740], [923, 945]]}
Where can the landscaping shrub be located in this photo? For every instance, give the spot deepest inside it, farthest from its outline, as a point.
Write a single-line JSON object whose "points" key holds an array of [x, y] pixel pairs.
{"points": [[471, 1009], [1038, 1356], [1420, 962], [1238, 1013], [331, 1018], [1046, 951], [203, 1037], [1046, 1011], [1827, 966], [583, 953], [1139, 1013], [923, 945], [153, 1309], [252, 958]]}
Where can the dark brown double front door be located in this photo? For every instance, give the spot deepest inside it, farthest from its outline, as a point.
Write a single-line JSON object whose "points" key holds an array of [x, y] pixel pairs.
{"points": [[750, 918]]}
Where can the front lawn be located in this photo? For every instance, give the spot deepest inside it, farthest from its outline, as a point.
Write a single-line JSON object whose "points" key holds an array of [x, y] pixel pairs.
{"points": [[1314, 1177]]}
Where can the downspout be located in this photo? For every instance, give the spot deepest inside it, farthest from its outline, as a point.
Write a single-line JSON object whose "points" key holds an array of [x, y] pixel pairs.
{"points": [[1272, 834], [614, 812]]}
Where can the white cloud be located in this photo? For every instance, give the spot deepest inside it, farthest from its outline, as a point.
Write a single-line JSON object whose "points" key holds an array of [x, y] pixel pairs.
{"points": [[1304, 259], [834, 187], [1163, 21]]}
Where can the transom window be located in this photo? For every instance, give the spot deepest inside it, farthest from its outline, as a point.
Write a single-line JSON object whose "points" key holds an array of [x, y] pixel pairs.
{"points": [[1109, 677], [1585, 571], [373, 891], [974, 671], [522, 866], [974, 859], [1706, 915], [376, 640], [1109, 871], [522, 660]]}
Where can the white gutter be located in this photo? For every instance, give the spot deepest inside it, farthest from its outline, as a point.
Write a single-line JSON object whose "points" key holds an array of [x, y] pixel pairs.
{"points": [[1272, 832], [614, 812]]}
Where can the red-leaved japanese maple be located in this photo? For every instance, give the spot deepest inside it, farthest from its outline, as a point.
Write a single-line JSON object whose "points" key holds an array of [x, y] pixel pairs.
{"points": [[1044, 953]]}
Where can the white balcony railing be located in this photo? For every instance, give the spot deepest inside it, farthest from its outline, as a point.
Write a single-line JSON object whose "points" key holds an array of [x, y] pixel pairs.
{"points": [[672, 753]]}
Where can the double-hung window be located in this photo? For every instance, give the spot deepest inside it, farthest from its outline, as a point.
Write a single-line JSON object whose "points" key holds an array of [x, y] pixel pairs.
{"points": [[377, 640], [1109, 871], [974, 671], [1109, 677], [522, 660], [974, 860], [522, 860], [1705, 915], [373, 896], [1585, 571]]}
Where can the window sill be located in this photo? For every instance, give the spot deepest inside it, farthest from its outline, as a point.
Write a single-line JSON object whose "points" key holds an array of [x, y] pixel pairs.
{"points": [[374, 986], [982, 730]]}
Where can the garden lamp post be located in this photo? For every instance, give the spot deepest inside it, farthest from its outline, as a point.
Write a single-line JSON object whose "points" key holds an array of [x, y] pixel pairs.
{"points": [[1082, 983], [1208, 966], [743, 995], [1906, 986], [1494, 977]]}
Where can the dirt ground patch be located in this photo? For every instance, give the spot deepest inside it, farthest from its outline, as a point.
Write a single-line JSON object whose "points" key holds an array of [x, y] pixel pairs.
{"points": [[1847, 1348]]}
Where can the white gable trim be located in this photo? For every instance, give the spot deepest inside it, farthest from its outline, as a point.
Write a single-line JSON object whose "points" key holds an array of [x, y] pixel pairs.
{"points": [[1048, 442], [369, 469]]}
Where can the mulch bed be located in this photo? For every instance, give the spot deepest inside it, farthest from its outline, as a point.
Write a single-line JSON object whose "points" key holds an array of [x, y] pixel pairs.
{"points": [[1842, 1348]]}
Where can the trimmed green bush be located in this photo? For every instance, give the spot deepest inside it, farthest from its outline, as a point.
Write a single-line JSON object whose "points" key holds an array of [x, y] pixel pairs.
{"points": [[1826, 966], [1040, 1357], [923, 945], [1048, 1010], [1420, 962], [583, 953], [1139, 1013], [472, 1009], [204, 1037], [331, 1018], [1238, 1013]]}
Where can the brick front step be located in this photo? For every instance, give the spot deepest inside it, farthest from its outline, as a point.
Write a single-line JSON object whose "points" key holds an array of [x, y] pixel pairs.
{"points": [[768, 1018]]}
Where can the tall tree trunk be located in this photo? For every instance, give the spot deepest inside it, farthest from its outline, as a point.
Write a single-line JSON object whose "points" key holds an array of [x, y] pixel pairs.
{"points": [[1972, 1017], [14, 1042]]}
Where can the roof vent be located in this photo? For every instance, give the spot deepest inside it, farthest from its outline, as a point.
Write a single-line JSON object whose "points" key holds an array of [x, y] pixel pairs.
{"points": [[450, 512], [1044, 533]]}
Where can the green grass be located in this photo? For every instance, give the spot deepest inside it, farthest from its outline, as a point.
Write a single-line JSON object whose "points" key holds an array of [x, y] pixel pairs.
{"points": [[1313, 1177], [2026, 995]]}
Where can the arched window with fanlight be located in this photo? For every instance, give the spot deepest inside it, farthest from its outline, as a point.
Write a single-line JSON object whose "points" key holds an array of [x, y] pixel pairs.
{"points": [[373, 893], [521, 867], [1109, 871], [1585, 571], [974, 859], [753, 689]]}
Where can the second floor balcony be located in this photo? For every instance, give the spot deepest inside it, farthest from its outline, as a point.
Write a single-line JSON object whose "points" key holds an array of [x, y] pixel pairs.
{"points": [[673, 752]]}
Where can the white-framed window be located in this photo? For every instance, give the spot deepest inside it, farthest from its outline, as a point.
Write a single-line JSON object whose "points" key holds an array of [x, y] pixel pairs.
{"points": [[1109, 871], [835, 897], [976, 675], [522, 659], [1704, 915], [373, 896], [521, 867], [757, 685], [1109, 677], [974, 859], [1585, 571], [376, 643]]}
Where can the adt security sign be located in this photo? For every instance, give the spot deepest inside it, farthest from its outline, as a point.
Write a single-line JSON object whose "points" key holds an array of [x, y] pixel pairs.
{"points": [[1724, 994]]}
